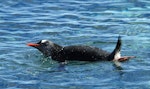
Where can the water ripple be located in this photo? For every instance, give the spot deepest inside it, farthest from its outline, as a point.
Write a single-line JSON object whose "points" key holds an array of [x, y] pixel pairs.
{"points": [[91, 22]]}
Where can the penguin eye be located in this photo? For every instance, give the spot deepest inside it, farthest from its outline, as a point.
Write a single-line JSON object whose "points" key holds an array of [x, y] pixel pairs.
{"points": [[45, 43]]}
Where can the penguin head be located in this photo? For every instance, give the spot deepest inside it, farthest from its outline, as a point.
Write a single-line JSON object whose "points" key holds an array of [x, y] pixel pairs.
{"points": [[45, 46]]}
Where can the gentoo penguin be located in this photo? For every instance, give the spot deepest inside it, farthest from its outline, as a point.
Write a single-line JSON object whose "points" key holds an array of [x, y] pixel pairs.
{"points": [[79, 52]]}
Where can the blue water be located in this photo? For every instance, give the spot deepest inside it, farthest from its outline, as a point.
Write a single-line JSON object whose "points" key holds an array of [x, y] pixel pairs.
{"points": [[69, 22]]}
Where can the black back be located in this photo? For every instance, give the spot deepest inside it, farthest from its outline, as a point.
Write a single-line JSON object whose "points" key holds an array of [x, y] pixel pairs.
{"points": [[82, 53]]}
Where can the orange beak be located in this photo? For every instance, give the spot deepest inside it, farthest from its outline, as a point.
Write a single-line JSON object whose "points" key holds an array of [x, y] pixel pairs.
{"points": [[33, 44]]}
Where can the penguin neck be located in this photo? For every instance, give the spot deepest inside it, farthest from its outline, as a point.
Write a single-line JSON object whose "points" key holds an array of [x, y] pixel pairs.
{"points": [[56, 48]]}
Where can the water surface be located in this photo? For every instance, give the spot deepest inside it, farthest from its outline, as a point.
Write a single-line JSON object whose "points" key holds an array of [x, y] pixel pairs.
{"points": [[91, 22]]}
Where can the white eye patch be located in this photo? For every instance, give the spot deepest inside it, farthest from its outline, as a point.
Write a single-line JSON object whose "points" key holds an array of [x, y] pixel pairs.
{"points": [[43, 41], [46, 41]]}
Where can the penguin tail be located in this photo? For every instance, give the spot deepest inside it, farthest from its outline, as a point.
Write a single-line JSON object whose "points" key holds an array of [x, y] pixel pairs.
{"points": [[116, 52]]}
